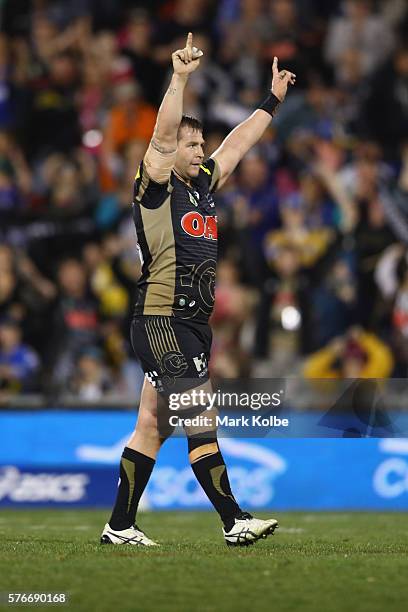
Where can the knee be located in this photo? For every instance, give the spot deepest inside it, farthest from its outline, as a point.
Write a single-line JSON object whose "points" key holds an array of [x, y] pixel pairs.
{"points": [[153, 427], [147, 423], [200, 422]]}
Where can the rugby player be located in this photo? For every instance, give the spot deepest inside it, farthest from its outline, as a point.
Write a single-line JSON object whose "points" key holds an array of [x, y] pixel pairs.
{"points": [[176, 225]]}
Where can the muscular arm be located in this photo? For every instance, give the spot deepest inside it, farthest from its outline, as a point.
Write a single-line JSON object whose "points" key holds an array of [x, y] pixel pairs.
{"points": [[161, 153], [169, 116], [239, 141], [247, 133]]}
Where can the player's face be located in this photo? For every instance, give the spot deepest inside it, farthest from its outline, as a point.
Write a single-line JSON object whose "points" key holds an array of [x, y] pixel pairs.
{"points": [[190, 153]]}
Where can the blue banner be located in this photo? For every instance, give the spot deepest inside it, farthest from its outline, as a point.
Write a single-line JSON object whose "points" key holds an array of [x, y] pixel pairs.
{"points": [[71, 458]]}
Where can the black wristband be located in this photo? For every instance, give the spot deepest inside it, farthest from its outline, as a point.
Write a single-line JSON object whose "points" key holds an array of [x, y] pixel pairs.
{"points": [[271, 104]]}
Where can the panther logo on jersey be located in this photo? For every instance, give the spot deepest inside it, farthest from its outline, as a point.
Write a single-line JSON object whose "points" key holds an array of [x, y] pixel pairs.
{"points": [[174, 363]]}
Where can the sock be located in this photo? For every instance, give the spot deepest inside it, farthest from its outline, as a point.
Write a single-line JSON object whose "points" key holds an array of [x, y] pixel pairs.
{"points": [[211, 472], [135, 470]]}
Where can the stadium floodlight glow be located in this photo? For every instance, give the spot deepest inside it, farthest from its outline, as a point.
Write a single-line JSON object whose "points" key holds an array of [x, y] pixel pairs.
{"points": [[92, 138], [291, 318]]}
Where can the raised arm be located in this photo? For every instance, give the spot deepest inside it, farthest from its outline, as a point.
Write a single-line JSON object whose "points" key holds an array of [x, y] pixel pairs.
{"points": [[247, 133], [161, 153]]}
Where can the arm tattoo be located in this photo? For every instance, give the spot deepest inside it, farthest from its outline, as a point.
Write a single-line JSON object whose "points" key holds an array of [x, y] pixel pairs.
{"points": [[171, 91], [163, 150]]}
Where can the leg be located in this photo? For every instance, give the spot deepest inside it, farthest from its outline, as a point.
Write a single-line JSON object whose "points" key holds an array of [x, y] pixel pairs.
{"points": [[183, 348], [145, 438], [139, 454], [138, 459], [240, 528], [207, 461]]}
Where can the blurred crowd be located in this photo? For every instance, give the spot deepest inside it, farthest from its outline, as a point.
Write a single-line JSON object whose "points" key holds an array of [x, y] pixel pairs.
{"points": [[313, 272]]}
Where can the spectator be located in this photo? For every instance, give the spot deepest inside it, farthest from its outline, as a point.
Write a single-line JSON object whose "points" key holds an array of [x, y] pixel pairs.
{"points": [[358, 354], [19, 364], [93, 96], [233, 308], [359, 29], [255, 202], [10, 295], [129, 119], [392, 278], [252, 205], [76, 322], [184, 16], [280, 315], [7, 113], [53, 123], [137, 45], [400, 316], [212, 89], [15, 178], [241, 55], [389, 98], [334, 301], [282, 34], [309, 111], [310, 243], [90, 381], [113, 298]]}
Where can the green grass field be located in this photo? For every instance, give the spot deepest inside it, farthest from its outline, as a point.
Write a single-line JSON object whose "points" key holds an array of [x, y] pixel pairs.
{"points": [[316, 561]]}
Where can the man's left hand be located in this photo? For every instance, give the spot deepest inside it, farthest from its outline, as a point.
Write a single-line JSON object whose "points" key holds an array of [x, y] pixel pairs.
{"points": [[280, 80]]}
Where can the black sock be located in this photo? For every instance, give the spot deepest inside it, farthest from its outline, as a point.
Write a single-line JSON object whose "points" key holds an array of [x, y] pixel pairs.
{"points": [[135, 470], [211, 473]]}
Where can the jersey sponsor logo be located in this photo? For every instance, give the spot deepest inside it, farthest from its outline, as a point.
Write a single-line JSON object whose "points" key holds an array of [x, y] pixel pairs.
{"points": [[201, 364], [194, 224]]}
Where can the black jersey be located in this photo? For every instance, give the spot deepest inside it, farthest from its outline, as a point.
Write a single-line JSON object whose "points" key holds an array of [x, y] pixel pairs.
{"points": [[176, 226]]}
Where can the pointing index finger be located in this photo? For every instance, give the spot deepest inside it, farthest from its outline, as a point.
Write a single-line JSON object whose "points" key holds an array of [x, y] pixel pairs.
{"points": [[275, 65], [189, 43]]}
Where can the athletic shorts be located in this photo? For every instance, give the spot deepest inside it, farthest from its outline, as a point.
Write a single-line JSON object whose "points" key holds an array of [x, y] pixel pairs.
{"points": [[174, 353]]}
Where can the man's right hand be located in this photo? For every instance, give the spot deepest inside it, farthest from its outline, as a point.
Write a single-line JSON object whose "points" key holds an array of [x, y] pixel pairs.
{"points": [[186, 60]]}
